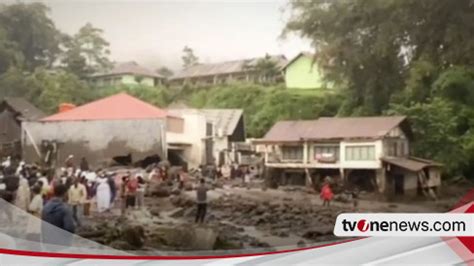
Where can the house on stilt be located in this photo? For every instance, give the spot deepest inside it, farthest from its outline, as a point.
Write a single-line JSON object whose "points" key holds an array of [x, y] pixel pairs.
{"points": [[372, 153]]}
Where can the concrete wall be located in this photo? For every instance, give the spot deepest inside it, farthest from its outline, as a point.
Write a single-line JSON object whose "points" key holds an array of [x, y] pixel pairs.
{"points": [[311, 162], [131, 80], [303, 74], [99, 140], [194, 132], [368, 164]]}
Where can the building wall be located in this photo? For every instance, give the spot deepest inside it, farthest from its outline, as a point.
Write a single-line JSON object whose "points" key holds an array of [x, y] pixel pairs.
{"points": [[343, 162], [303, 74], [131, 80], [194, 132], [99, 141], [175, 124], [361, 164]]}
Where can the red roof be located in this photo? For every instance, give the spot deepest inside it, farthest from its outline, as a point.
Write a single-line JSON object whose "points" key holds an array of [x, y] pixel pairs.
{"points": [[119, 106]]}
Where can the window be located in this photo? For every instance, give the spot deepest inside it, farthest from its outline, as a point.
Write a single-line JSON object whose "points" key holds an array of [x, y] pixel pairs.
{"points": [[292, 153], [326, 152], [360, 153]]}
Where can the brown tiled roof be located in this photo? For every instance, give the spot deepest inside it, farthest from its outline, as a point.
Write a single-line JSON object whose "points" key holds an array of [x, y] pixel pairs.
{"points": [[327, 128], [129, 68], [227, 67], [412, 163], [24, 108]]}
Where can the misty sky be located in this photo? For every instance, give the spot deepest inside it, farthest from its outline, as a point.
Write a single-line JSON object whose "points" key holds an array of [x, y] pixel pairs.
{"points": [[154, 33]]}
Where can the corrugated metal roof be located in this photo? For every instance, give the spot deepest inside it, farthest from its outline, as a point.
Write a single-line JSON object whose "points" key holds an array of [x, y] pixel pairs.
{"points": [[129, 68], [327, 128], [25, 109], [119, 106], [227, 67], [411, 163], [223, 119], [289, 131]]}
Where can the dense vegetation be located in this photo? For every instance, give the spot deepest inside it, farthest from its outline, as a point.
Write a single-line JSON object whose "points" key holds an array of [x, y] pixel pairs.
{"points": [[409, 57]]}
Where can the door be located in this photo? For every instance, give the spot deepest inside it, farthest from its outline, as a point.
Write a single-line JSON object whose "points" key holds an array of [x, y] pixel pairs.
{"points": [[209, 148], [399, 180]]}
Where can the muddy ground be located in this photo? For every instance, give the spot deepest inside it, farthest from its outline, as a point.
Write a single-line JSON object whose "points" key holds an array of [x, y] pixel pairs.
{"points": [[238, 218]]}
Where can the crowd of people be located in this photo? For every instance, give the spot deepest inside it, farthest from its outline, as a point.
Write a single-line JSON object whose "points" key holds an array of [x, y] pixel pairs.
{"points": [[62, 197]]}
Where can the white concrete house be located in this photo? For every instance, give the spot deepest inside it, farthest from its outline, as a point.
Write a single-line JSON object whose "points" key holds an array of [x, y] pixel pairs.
{"points": [[209, 136], [369, 152]]}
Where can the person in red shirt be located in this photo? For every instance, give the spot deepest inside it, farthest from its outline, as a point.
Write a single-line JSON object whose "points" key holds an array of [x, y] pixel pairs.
{"points": [[326, 193]]}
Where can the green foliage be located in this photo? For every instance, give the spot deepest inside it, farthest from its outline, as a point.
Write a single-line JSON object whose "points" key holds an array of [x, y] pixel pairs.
{"points": [[266, 69], [165, 72], [263, 105], [86, 52], [189, 58], [456, 84], [372, 44], [153, 95], [435, 127], [61, 87], [33, 32]]}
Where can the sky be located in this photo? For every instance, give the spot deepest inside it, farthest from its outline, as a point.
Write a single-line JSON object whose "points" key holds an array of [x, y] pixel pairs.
{"points": [[154, 33]]}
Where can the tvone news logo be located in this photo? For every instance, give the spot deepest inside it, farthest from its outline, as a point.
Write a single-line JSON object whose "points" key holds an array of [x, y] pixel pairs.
{"points": [[362, 225]]}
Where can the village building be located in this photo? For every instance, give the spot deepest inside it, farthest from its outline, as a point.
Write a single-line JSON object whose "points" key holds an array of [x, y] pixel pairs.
{"points": [[210, 136], [127, 73], [12, 112], [302, 72], [226, 72], [117, 126], [371, 153]]}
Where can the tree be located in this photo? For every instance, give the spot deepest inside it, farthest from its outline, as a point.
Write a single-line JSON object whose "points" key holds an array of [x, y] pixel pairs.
{"points": [[9, 55], [189, 59], [266, 69], [165, 72], [33, 32], [61, 87], [435, 128], [86, 52], [370, 45]]}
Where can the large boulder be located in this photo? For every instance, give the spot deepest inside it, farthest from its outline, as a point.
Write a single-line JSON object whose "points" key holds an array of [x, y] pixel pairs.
{"points": [[160, 190], [186, 237], [134, 235]]}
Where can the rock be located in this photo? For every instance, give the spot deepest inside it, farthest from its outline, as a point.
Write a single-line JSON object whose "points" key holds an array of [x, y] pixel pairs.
{"points": [[320, 231], [283, 234], [188, 186], [176, 192], [121, 245], [155, 211], [160, 191], [301, 244], [134, 236], [178, 212], [187, 237]]}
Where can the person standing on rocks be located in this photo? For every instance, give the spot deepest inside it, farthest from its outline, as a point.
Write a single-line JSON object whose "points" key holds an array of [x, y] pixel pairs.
{"points": [[201, 200], [103, 195], [140, 200], [131, 192], [326, 192], [77, 196]]}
